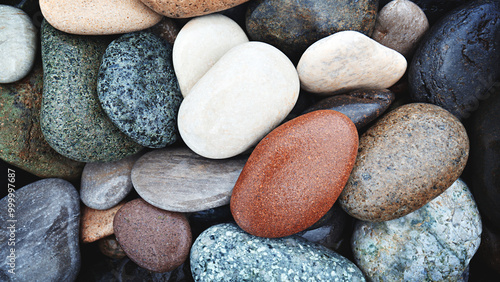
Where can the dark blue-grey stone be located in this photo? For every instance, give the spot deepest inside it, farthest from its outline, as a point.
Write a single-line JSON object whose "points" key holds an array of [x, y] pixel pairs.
{"points": [[47, 214], [433, 9], [225, 252], [138, 88], [458, 59]]}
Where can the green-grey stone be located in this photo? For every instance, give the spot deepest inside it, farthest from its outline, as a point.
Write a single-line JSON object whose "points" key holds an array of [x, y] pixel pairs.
{"points": [[72, 119]]}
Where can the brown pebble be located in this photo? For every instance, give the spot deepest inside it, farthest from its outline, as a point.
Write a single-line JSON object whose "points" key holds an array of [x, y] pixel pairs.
{"points": [[97, 224]]}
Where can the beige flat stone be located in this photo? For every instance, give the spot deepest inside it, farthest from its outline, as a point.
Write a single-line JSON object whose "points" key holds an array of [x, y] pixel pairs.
{"points": [[97, 224], [98, 17], [190, 8]]}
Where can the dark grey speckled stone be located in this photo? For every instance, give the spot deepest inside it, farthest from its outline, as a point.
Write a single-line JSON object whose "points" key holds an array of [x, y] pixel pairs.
{"points": [[72, 121], [224, 252], [138, 89]]}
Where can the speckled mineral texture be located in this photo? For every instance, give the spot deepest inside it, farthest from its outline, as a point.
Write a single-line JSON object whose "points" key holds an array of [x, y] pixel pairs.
{"points": [[458, 61], [434, 243], [155, 239], [292, 25], [110, 247], [295, 174], [406, 159], [21, 141], [190, 8], [47, 215], [97, 224], [224, 252], [72, 121]]}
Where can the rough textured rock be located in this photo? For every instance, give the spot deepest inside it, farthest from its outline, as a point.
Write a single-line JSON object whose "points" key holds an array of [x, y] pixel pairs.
{"points": [[295, 174], [226, 253], [138, 89], [405, 160], [98, 17], [247, 93], [434, 243], [75, 125], [45, 230], [346, 61], [110, 247], [457, 62], [434, 9], [176, 179], [190, 8], [97, 224]]}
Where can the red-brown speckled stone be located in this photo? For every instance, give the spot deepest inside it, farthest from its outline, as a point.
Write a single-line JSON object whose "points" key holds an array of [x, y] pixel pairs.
{"points": [[190, 8], [97, 224], [153, 238], [295, 174]]}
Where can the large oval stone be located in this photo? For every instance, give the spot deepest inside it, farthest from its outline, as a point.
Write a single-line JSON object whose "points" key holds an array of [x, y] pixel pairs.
{"points": [[458, 62], [246, 94], [190, 8], [433, 243], [293, 25], [295, 174], [346, 61], [176, 179], [405, 160], [138, 89], [75, 125], [226, 253]]}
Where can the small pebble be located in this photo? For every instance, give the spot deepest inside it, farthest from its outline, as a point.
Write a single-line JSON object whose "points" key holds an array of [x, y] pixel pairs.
{"points": [[97, 224], [110, 247]]}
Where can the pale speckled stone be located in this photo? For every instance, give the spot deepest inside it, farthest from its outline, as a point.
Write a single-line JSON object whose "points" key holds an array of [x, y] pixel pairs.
{"points": [[190, 8], [18, 40], [97, 224], [98, 17], [400, 25], [200, 44], [247, 93], [434, 243], [349, 60], [224, 252]]}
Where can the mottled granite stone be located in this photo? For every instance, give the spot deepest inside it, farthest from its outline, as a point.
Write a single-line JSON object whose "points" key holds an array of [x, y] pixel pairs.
{"points": [[47, 215], [433, 243], [71, 118], [190, 8], [295, 174], [226, 253], [21, 141], [110, 247], [97, 224], [409, 157]]}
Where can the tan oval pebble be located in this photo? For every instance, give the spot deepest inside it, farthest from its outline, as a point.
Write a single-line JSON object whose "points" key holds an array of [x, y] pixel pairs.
{"points": [[349, 60], [405, 160], [97, 224], [98, 17], [110, 247], [190, 8], [400, 25]]}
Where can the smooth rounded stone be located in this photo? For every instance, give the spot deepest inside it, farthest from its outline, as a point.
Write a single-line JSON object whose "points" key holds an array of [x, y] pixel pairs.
{"points": [[97, 224], [224, 252], [361, 106], [295, 174], [200, 44], [166, 29], [406, 159], [457, 61], [346, 61], [176, 179], [19, 39], [433, 9], [246, 94], [44, 225], [75, 125], [110, 247], [104, 185], [98, 17], [400, 25], [190, 8], [292, 26], [21, 141], [433, 243], [155, 239], [138, 89]]}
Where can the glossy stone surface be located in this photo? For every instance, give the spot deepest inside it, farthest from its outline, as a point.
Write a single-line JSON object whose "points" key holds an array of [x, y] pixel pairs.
{"points": [[47, 214], [75, 125], [246, 94], [434, 9], [346, 61], [138, 89], [409, 157], [110, 247], [98, 17], [190, 8], [226, 253], [458, 55], [155, 239], [361, 106], [434, 243], [97, 224], [295, 174], [176, 179], [292, 26]]}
